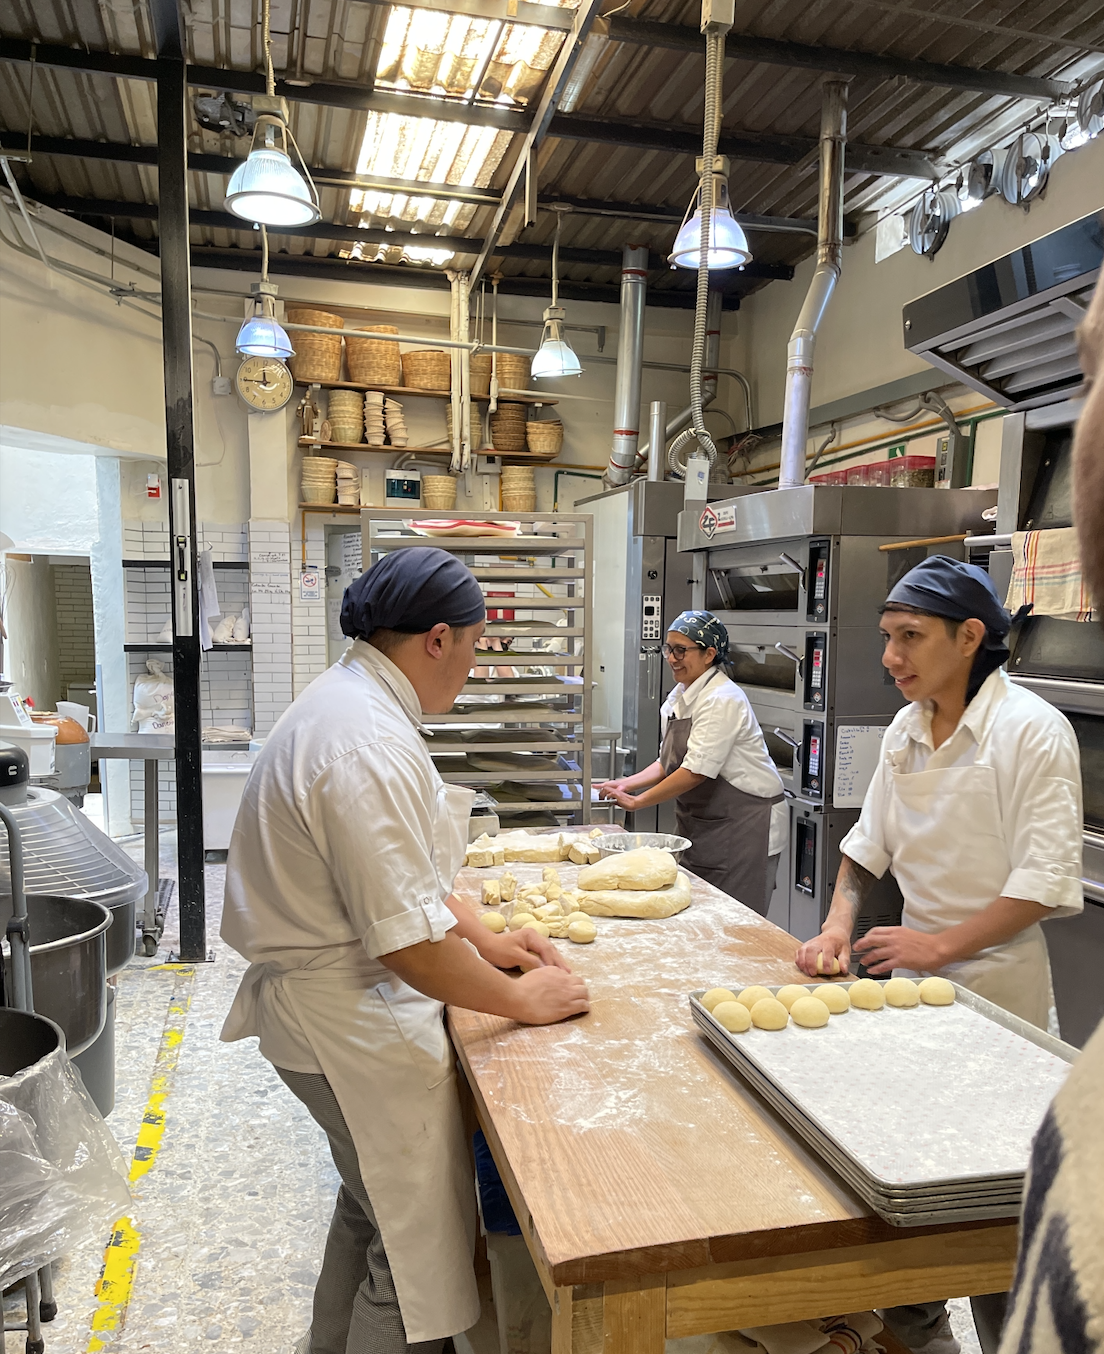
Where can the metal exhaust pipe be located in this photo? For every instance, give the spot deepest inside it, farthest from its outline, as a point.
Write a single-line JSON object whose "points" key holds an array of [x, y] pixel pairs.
{"points": [[685, 416], [630, 355], [802, 345]]}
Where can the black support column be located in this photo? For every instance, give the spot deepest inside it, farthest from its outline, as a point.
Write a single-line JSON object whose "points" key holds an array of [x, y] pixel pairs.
{"points": [[176, 321]]}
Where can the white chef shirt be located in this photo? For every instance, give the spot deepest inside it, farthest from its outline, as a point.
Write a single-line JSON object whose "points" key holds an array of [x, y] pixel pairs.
{"points": [[726, 741], [1033, 751], [331, 861]]}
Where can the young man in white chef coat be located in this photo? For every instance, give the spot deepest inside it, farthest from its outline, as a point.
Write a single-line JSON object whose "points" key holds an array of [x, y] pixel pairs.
{"points": [[975, 807], [338, 892]]}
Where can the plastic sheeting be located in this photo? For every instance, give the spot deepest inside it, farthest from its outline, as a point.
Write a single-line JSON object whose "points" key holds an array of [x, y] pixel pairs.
{"points": [[63, 1180]]}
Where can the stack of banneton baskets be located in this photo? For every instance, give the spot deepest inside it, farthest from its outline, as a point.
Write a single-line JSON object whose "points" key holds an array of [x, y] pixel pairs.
{"points": [[513, 371], [544, 436], [439, 491], [427, 369], [319, 480], [317, 356], [475, 428], [508, 428], [519, 490], [373, 362], [481, 376], [346, 415]]}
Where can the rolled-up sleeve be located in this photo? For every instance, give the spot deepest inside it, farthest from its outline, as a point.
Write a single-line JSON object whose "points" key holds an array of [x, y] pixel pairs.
{"points": [[716, 726], [1043, 820], [865, 844], [371, 813]]}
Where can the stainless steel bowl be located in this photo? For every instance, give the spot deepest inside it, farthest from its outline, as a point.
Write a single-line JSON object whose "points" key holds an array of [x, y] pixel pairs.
{"points": [[613, 842], [24, 1040]]}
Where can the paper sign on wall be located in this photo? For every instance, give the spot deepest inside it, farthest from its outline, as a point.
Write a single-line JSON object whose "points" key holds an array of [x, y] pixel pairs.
{"points": [[310, 585], [858, 747]]}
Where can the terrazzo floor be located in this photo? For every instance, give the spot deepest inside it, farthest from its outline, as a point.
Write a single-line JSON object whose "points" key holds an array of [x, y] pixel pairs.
{"points": [[233, 1214]]}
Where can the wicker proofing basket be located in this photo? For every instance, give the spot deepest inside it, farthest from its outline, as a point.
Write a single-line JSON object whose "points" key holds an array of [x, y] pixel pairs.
{"points": [[544, 435], [427, 369], [439, 491], [481, 376], [346, 416], [373, 362], [508, 428], [317, 356], [513, 371], [519, 500]]}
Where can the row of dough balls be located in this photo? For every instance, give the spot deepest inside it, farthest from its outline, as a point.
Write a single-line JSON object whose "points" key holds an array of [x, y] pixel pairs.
{"points": [[811, 1008], [576, 926]]}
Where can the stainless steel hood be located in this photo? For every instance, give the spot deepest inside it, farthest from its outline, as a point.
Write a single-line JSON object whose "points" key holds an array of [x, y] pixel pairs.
{"points": [[1007, 330]]}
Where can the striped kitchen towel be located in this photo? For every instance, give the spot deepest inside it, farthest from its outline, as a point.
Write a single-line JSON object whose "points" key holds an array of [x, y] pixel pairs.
{"points": [[1046, 572]]}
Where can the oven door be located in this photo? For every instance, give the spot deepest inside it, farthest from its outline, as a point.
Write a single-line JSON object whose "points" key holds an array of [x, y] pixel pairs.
{"points": [[767, 663]]}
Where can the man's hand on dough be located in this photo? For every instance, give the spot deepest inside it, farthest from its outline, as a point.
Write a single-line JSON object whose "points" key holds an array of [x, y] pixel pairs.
{"points": [[829, 947], [548, 994], [884, 948], [524, 949]]}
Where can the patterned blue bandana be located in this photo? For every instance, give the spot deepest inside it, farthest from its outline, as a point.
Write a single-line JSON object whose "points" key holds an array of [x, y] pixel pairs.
{"points": [[704, 629]]}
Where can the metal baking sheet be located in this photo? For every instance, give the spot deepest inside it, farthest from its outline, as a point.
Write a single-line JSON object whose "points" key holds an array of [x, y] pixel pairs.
{"points": [[958, 1091]]}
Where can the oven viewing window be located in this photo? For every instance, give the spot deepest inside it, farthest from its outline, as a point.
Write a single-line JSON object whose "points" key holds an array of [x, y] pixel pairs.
{"points": [[1090, 736], [757, 665], [753, 587], [1048, 647]]}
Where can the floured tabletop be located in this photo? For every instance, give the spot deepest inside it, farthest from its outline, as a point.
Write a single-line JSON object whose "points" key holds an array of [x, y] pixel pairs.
{"points": [[635, 1147]]}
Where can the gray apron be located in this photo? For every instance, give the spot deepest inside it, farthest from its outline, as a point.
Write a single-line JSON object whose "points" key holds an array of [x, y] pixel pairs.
{"points": [[729, 828]]}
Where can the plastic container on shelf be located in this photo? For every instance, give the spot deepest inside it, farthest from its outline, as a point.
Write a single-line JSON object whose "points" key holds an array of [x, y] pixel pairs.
{"points": [[912, 472], [856, 474], [829, 477], [877, 472]]}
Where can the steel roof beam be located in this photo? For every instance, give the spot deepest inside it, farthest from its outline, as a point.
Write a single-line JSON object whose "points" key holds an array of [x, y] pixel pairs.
{"points": [[745, 47]]}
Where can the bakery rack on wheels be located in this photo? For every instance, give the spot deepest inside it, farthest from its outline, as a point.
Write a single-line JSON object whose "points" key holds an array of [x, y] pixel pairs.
{"points": [[527, 738]]}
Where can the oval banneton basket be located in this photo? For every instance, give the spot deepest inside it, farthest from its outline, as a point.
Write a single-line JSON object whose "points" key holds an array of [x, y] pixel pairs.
{"points": [[373, 362], [317, 356], [427, 369]]}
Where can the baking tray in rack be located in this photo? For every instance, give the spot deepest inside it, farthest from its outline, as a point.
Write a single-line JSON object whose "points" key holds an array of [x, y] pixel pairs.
{"points": [[928, 1113]]}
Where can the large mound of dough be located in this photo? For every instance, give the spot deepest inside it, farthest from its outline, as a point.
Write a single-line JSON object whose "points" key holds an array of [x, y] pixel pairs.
{"points": [[634, 902], [644, 869]]}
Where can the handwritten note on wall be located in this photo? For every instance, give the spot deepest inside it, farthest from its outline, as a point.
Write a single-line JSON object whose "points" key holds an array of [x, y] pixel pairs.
{"points": [[858, 747]]}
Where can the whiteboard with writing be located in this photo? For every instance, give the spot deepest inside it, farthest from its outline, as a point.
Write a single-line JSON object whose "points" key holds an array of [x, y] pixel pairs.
{"points": [[858, 747]]}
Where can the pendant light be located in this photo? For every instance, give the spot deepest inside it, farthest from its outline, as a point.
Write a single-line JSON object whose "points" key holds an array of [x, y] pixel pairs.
{"points": [[728, 245], [261, 335], [555, 356], [266, 188]]}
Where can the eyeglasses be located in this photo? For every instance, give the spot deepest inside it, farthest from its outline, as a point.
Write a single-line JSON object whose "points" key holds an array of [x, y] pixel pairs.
{"points": [[678, 651]]}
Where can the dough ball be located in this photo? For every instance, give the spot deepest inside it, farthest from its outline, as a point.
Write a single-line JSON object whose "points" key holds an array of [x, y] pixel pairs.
{"points": [[902, 992], [494, 921], [768, 1013], [809, 1012], [491, 892], [867, 995], [578, 916], [538, 926], [733, 1015], [715, 996], [937, 992], [520, 919], [750, 995], [834, 996], [582, 932], [790, 993], [820, 964]]}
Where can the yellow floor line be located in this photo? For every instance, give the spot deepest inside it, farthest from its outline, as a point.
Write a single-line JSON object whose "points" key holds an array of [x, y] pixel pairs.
{"points": [[121, 1255]]}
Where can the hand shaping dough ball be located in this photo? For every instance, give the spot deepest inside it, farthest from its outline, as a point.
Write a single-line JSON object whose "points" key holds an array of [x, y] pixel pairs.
{"points": [[582, 932], [902, 992], [494, 921], [540, 927], [937, 992], [789, 994], [750, 995], [834, 996], [867, 995], [520, 919], [715, 996], [820, 964], [733, 1015], [769, 1014], [809, 1012]]}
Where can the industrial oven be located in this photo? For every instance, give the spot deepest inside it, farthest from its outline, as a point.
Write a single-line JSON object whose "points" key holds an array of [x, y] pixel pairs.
{"points": [[797, 576]]}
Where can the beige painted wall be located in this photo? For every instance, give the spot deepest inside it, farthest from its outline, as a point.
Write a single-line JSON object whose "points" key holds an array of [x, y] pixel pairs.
{"points": [[861, 340], [30, 618]]}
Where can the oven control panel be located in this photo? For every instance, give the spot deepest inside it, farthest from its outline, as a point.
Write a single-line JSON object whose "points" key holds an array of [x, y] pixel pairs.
{"points": [[651, 618], [812, 760], [818, 580], [815, 670]]}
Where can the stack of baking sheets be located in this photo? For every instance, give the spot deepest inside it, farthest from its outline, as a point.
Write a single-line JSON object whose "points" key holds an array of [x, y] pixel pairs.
{"points": [[928, 1113]]}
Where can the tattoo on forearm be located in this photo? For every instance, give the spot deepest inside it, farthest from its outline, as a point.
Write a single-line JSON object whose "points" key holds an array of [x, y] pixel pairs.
{"points": [[853, 884]]}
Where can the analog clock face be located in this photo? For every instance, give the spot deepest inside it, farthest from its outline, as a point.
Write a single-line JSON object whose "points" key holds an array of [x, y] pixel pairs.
{"points": [[264, 383]]}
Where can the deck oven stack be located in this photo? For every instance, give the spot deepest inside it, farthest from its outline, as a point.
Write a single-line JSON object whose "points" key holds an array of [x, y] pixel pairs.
{"points": [[798, 576]]}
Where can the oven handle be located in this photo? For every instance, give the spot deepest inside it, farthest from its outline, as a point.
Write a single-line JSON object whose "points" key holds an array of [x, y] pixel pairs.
{"points": [[792, 742], [792, 656], [789, 559], [1093, 889]]}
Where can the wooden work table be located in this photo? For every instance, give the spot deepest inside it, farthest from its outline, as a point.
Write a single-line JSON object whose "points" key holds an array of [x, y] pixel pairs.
{"points": [[658, 1195]]}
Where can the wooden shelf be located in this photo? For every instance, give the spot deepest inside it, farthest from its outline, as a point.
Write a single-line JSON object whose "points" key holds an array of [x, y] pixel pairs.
{"points": [[398, 392], [392, 451]]}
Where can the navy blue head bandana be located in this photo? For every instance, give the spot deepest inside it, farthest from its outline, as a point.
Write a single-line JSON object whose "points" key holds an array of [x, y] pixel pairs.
{"points": [[412, 591], [704, 629]]}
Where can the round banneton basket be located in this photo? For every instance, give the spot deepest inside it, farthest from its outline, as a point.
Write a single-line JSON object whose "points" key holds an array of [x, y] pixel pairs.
{"points": [[513, 371], [475, 431], [519, 492], [508, 428], [346, 415], [481, 376], [317, 356], [544, 435], [319, 479], [439, 491], [373, 362], [427, 369]]}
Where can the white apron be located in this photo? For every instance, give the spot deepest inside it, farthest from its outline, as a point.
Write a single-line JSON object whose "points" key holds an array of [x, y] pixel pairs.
{"points": [[945, 835], [385, 1052]]}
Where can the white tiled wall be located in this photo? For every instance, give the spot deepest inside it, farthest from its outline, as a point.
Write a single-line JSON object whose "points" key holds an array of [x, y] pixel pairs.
{"points": [[308, 619], [270, 612]]}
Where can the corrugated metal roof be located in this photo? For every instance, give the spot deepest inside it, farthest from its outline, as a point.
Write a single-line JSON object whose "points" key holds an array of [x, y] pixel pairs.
{"points": [[501, 63]]}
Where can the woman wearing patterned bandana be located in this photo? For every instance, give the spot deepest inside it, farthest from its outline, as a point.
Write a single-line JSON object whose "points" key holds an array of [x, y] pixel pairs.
{"points": [[715, 765]]}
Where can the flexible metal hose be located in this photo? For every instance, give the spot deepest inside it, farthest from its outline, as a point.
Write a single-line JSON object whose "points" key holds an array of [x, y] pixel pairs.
{"points": [[697, 432]]}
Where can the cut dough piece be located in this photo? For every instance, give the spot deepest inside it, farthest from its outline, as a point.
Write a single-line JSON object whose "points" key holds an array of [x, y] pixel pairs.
{"points": [[491, 893], [834, 996], [790, 993], [548, 911], [750, 995], [810, 1013], [494, 921], [769, 1014], [937, 992], [644, 869], [550, 874], [733, 1015], [635, 902], [520, 919], [582, 932], [820, 964], [526, 846], [540, 927], [552, 891], [579, 854], [507, 887], [595, 832], [499, 856], [867, 995], [715, 996], [479, 858], [902, 992]]}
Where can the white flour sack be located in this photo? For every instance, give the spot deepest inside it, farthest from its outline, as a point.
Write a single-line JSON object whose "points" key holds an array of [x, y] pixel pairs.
{"points": [[153, 700]]}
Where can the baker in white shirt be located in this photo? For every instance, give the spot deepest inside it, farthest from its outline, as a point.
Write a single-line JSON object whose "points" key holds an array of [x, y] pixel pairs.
{"points": [[714, 763], [338, 892]]}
